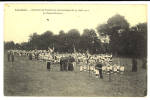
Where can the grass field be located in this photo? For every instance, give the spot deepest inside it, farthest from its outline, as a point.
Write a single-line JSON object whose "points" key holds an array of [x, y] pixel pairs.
{"points": [[30, 78]]}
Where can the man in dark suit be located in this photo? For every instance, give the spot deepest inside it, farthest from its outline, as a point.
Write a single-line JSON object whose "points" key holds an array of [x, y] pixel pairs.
{"points": [[134, 65], [99, 67], [30, 56], [70, 63], [48, 65], [61, 64], [12, 57]]}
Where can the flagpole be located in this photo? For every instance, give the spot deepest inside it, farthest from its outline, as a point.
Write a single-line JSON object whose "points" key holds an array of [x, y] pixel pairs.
{"points": [[75, 56]]}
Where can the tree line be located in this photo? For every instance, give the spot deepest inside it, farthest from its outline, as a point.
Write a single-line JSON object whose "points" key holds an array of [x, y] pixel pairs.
{"points": [[124, 41]]}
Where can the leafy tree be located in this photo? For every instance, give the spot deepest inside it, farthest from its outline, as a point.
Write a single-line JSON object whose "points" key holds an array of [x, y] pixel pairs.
{"points": [[125, 41], [34, 41], [116, 27], [61, 43], [9, 45], [89, 41], [17, 46], [139, 42], [42, 41], [72, 38]]}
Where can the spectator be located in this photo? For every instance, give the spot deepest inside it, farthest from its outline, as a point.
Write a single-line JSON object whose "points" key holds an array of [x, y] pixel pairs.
{"points": [[99, 67], [48, 65]]}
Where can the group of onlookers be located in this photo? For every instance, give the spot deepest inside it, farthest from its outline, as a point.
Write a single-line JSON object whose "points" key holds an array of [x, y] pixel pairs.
{"points": [[97, 64]]}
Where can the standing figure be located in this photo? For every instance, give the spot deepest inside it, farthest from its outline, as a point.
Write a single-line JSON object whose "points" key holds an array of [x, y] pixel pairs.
{"points": [[144, 65], [65, 63], [71, 61], [61, 64], [8, 56], [134, 65], [99, 67], [30, 56], [12, 57], [37, 56], [48, 65]]}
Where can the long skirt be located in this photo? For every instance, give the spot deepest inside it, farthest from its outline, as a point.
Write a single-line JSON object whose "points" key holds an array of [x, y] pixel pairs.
{"points": [[70, 67], [61, 67], [65, 66]]}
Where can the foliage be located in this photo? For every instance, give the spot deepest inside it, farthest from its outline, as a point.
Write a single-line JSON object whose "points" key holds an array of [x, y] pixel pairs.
{"points": [[124, 40]]}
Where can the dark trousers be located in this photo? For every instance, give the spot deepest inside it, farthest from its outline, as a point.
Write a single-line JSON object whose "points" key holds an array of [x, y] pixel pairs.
{"points": [[100, 73], [8, 58], [48, 66], [61, 67], [65, 66], [12, 58], [70, 67], [30, 57]]}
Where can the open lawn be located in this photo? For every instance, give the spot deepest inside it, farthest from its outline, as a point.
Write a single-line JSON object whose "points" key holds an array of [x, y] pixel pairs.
{"points": [[30, 78]]}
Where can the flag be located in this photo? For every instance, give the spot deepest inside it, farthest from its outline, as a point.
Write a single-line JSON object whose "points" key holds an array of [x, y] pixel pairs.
{"points": [[87, 52], [53, 47], [74, 49], [50, 50]]}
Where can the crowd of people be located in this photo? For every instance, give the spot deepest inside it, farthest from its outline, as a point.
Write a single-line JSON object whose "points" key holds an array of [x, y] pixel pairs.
{"points": [[97, 64]]}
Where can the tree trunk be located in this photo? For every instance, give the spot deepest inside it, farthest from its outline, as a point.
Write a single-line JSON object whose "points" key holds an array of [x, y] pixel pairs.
{"points": [[134, 65], [144, 65]]}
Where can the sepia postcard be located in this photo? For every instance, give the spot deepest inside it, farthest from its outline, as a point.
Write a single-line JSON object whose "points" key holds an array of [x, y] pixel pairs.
{"points": [[75, 50]]}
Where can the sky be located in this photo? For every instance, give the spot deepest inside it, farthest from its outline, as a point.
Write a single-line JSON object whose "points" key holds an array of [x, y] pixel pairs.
{"points": [[22, 20]]}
